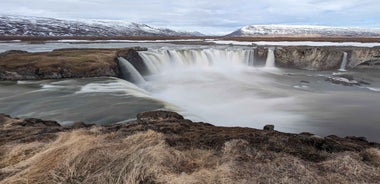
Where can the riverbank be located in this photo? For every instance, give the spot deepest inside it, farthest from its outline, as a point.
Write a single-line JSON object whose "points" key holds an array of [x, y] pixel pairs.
{"points": [[162, 147], [79, 63]]}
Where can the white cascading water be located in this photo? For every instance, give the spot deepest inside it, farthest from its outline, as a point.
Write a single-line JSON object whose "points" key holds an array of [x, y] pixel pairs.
{"points": [[251, 61], [129, 72], [215, 85], [270, 62], [155, 60], [344, 62]]}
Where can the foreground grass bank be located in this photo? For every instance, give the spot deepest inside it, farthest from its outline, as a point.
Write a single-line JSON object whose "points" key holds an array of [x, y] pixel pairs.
{"points": [[162, 147]]}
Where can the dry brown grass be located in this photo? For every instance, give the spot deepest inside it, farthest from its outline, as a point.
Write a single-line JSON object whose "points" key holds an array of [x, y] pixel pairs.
{"points": [[89, 156], [64, 63], [69, 57]]}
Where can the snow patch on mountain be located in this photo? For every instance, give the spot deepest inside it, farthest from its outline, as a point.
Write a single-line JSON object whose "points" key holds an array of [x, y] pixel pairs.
{"points": [[303, 30], [41, 26]]}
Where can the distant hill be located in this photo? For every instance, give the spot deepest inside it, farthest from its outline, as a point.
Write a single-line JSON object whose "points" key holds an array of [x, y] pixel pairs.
{"points": [[41, 26], [302, 30]]}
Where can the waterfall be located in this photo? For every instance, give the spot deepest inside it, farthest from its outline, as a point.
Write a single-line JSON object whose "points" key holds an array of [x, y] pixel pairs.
{"points": [[270, 62], [344, 62], [251, 59], [129, 72], [155, 60]]}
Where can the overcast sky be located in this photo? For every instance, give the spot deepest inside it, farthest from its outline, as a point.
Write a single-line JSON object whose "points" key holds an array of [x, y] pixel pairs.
{"points": [[207, 16]]}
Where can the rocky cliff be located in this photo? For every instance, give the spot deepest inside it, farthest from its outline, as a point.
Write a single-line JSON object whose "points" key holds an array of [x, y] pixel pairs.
{"points": [[77, 63], [321, 58], [365, 57]]}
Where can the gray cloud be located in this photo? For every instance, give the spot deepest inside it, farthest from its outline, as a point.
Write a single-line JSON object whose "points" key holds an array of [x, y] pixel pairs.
{"points": [[208, 16]]}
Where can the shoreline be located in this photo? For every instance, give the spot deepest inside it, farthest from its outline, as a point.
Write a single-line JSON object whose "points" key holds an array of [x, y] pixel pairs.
{"points": [[205, 38]]}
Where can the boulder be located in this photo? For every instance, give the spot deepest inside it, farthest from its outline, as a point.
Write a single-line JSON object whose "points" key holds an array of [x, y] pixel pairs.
{"points": [[158, 116], [343, 81], [269, 127]]}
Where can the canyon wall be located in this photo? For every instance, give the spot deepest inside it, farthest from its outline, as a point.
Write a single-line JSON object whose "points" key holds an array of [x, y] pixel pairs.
{"points": [[322, 58], [78, 63]]}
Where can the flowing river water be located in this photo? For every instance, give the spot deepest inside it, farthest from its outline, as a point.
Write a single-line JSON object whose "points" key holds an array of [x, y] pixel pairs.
{"points": [[220, 85]]}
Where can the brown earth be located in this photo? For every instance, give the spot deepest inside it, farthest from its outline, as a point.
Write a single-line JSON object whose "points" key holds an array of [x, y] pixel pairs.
{"points": [[57, 64], [67, 63], [162, 147]]}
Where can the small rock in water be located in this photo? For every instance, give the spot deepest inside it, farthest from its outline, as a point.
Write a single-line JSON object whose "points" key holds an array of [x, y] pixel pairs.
{"points": [[364, 82], [344, 75], [269, 127], [343, 81]]}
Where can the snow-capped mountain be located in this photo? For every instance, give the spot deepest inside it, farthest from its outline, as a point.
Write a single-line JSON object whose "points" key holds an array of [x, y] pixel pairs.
{"points": [[299, 30], [41, 26]]}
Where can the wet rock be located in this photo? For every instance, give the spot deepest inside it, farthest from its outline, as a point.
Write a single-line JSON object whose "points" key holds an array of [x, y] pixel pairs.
{"points": [[78, 125], [344, 75], [343, 81], [364, 82], [132, 55], [37, 122], [158, 116], [364, 139], [269, 127]]}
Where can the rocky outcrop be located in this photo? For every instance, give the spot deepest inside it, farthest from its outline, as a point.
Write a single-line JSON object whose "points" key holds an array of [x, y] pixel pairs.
{"points": [[134, 58]]}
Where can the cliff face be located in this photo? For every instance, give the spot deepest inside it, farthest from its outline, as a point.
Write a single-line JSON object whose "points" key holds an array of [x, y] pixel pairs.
{"points": [[321, 58], [364, 56], [77, 63], [308, 58]]}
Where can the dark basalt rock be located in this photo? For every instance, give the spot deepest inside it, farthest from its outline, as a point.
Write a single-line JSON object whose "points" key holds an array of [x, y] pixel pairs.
{"points": [[269, 127], [343, 79], [134, 58], [78, 125], [37, 122], [158, 116]]}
